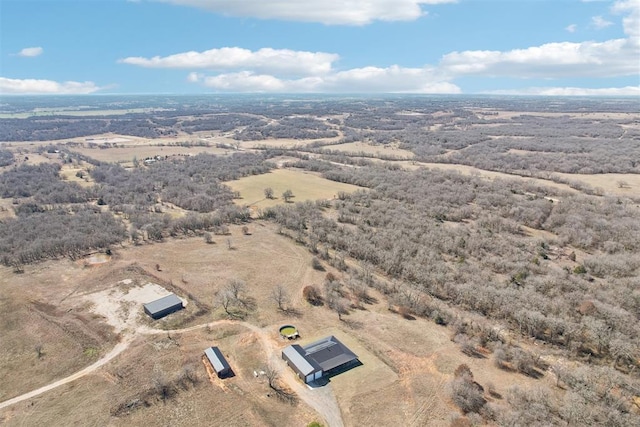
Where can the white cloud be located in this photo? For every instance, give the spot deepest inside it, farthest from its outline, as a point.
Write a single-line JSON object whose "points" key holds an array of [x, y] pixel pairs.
{"points": [[50, 87], [30, 52], [571, 28], [392, 79], [598, 22], [572, 91], [610, 58], [329, 12], [631, 22], [235, 69], [618, 57], [266, 60]]}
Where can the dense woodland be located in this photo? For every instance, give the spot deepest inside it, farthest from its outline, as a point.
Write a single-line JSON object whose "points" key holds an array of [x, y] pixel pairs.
{"points": [[500, 262]]}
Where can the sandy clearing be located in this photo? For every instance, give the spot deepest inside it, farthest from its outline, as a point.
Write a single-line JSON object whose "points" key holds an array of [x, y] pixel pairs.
{"points": [[121, 305]]}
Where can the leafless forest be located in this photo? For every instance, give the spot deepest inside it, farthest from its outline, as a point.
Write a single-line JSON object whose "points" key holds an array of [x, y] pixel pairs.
{"points": [[542, 279]]}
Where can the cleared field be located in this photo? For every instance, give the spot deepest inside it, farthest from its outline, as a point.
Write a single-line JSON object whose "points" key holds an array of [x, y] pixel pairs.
{"points": [[6, 208], [69, 173], [127, 153], [623, 184], [374, 150], [304, 185], [42, 339]]}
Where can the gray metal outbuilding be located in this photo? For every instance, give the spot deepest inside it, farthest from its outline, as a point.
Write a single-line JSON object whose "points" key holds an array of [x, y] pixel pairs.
{"points": [[218, 362], [307, 370], [314, 360], [163, 306]]}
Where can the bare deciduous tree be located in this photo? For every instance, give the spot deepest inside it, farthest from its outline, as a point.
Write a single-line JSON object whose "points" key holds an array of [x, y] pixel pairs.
{"points": [[273, 380], [280, 296]]}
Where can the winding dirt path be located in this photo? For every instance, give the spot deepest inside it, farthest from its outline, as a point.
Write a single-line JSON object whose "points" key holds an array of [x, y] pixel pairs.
{"points": [[119, 348], [321, 399]]}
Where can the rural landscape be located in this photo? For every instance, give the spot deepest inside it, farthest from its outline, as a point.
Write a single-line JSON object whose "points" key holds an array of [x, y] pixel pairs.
{"points": [[476, 260]]}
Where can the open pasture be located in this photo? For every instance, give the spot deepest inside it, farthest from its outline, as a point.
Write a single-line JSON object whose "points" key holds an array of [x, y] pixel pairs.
{"points": [[304, 185], [618, 184], [126, 153], [372, 150]]}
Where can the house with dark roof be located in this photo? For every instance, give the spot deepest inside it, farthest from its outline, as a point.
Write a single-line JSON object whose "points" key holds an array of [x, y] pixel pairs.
{"points": [[163, 306], [311, 362]]}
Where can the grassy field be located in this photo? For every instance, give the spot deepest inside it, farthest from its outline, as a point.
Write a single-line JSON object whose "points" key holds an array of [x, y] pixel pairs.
{"points": [[304, 185], [374, 150], [128, 152], [609, 182]]}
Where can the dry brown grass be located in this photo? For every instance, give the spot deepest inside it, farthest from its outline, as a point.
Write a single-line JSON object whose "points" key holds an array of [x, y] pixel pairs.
{"points": [[374, 150], [128, 152], [124, 392], [609, 182], [304, 185]]}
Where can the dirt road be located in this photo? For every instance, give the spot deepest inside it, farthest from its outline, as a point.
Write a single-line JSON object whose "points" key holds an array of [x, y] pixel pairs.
{"points": [[321, 399], [119, 348]]}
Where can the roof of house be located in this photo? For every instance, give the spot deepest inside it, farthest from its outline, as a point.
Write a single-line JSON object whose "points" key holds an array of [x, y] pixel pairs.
{"points": [[328, 353], [216, 358], [163, 303], [296, 355]]}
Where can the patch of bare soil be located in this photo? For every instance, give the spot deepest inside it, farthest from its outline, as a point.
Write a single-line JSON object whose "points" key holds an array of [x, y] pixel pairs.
{"points": [[121, 306]]}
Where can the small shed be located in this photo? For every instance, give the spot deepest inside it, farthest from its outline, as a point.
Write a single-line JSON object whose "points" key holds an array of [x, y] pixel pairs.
{"points": [[218, 362], [163, 306], [307, 369]]}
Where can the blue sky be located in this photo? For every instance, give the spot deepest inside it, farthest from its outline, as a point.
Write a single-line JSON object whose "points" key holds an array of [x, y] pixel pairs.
{"points": [[541, 47]]}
